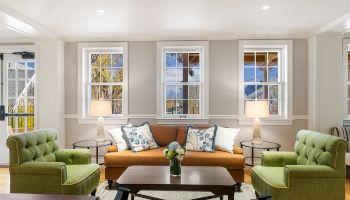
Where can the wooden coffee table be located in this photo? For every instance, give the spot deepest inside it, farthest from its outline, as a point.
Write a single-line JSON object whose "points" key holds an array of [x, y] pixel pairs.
{"points": [[17, 196], [193, 178]]}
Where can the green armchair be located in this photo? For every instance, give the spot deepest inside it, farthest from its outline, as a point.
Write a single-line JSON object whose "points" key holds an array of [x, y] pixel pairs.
{"points": [[38, 166], [315, 170]]}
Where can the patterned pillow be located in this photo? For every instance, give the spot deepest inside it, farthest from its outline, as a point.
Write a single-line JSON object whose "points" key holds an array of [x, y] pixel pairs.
{"points": [[201, 140], [139, 138]]}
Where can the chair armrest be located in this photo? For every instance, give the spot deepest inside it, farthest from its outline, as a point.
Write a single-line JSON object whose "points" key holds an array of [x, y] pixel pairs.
{"points": [[278, 159], [311, 171], [41, 168], [73, 156]]}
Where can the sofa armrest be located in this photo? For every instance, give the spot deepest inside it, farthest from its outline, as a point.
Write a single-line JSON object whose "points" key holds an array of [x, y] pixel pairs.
{"points": [[112, 148], [41, 168], [73, 156], [237, 150], [278, 159]]}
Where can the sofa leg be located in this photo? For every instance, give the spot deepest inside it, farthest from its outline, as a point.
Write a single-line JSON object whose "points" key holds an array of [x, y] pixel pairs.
{"points": [[93, 193], [238, 185], [110, 183]]}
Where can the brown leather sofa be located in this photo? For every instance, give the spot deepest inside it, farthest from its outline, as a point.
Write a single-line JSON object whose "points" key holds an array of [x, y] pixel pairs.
{"points": [[117, 162]]}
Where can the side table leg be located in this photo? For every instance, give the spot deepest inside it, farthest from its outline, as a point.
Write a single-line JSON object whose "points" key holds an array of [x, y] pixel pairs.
{"points": [[96, 155], [253, 157]]}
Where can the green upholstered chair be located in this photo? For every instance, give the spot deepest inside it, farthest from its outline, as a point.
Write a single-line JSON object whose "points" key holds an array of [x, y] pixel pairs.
{"points": [[315, 170], [37, 165]]}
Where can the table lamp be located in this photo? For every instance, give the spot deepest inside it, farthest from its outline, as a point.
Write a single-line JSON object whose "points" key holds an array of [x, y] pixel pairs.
{"points": [[100, 109], [257, 110]]}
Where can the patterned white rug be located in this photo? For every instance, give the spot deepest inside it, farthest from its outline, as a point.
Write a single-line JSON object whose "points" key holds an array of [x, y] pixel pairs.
{"points": [[104, 193]]}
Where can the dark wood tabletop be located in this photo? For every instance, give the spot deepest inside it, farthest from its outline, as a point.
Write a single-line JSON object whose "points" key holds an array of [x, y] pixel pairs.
{"points": [[193, 178], [17, 196]]}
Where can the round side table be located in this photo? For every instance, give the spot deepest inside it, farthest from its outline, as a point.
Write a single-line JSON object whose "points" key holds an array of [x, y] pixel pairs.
{"points": [[264, 145], [88, 144]]}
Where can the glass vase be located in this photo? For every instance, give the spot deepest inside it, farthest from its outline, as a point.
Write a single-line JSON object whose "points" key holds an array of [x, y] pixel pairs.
{"points": [[175, 167]]}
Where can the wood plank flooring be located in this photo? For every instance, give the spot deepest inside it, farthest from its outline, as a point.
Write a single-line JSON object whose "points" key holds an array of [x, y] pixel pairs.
{"points": [[5, 181]]}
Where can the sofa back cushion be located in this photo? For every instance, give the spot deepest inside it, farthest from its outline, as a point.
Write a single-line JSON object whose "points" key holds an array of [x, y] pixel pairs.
{"points": [[315, 148], [163, 135], [37, 146], [181, 135]]}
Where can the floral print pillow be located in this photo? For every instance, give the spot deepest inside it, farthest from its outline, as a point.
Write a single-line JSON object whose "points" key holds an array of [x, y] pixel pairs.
{"points": [[139, 138], [201, 140]]}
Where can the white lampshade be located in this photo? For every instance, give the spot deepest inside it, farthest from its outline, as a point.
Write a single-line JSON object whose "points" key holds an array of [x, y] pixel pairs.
{"points": [[100, 108], [257, 109]]}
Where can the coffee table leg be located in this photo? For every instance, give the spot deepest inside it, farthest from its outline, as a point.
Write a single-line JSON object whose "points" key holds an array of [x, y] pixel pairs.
{"points": [[222, 198], [132, 197]]}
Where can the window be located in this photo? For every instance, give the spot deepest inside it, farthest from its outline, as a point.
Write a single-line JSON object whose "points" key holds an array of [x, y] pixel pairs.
{"points": [[104, 69], [348, 59], [266, 74], [20, 95], [182, 69]]}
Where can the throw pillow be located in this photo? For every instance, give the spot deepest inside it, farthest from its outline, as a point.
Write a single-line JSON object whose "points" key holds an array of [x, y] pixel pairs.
{"points": [[224, 139], [118, 139], [201, 140], [139, 138]]}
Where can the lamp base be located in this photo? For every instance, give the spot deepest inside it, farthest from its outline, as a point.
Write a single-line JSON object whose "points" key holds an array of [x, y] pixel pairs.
{"points": [[100, 132], [256, 132]]}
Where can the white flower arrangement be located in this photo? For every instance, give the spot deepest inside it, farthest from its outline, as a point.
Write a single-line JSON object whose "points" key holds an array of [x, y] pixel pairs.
{"points": [[174, 150]]}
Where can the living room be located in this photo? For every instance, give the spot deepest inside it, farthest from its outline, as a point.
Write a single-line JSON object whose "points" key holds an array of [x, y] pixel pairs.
{"points": [[160, 99]]}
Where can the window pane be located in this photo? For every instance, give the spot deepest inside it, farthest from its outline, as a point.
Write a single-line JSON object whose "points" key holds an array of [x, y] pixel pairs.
{"points": [[182, 92], [117, 107], [193, 107], [180, 60], [30, 119], [21, 73], [30, 74], [249, 59], [95, 75], [12, 121], [261, 91], [170, 75], [21, 65], [117, 60], [106, 75], [21, 86], [261, 59], [21, 120], [273, 92], [273, 107], [194, 75], [261, 74], [95, 90], [95, 60], [194, 92], [11, 106], [30, 65], [170, 92], [11, 89], [30, 89], [170, 107], [273, 59], [117, 92], [11, 73], [106, 60], [182, 75], [170, 59], [249, 92], [194, 59], [105, 92], [273, 74], [117, 74], [179, 107], [249, 74]]}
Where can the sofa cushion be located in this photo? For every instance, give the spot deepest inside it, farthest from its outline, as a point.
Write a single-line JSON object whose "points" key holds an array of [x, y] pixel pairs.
{"points": [[217, 158], [201, 140], [128, 158], [181, 133], [163, 135], [139, 138]]}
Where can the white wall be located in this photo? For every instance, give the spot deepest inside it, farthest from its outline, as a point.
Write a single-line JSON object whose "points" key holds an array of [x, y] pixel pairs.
{"points": [[50, 81]]}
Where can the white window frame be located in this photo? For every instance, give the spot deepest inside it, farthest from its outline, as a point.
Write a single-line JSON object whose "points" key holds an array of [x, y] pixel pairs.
{"points": [[84, 49], [286, 48], [346, 82], [188, 46]]}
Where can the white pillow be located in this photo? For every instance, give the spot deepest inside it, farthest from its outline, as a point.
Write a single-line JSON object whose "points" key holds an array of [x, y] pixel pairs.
{"points": [[117, 137], [224, 139]]}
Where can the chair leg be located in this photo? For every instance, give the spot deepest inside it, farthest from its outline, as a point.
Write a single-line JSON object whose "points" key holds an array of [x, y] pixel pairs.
{"points": [[93, 193], [238, 185], [110, 183]]}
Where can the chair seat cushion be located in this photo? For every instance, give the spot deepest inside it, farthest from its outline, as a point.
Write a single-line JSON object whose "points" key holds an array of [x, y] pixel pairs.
{"points": [[156, 157], [273, 176], [81, 179]]}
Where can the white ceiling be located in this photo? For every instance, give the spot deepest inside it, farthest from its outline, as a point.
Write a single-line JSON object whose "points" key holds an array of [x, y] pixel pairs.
{"points": [[176, 19]]}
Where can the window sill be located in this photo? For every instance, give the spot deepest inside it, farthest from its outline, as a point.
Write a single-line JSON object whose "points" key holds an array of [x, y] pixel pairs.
{"points": [[183, 121], [113, 121]]}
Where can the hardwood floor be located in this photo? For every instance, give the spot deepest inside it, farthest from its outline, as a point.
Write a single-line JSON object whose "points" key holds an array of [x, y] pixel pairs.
{"points": [[5, 181]]}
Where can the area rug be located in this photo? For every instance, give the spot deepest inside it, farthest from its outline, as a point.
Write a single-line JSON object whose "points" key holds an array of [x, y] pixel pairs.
{"points": [[104, 193]]}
